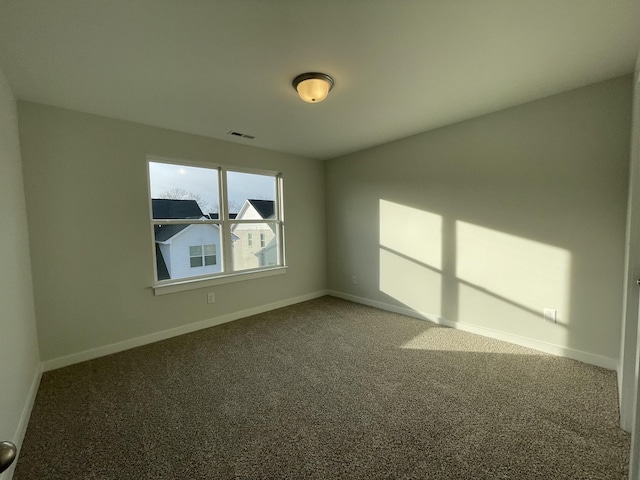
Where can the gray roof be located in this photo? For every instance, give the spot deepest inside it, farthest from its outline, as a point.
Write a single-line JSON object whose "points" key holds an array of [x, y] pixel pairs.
{"points": [[163, 272], [170, 209], [166, 209], [165, 232], [264, 207]]}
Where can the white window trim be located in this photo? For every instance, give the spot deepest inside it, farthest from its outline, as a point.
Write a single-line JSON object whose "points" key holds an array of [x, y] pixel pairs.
{"points": [[220, 279], [164, 287]]}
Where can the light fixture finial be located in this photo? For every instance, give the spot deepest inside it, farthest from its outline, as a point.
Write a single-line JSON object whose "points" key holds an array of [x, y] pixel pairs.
{"points": [[313, 87]]}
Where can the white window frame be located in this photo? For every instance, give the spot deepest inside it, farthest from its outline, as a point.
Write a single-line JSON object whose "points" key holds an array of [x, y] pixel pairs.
{"points": [[224, 256]]}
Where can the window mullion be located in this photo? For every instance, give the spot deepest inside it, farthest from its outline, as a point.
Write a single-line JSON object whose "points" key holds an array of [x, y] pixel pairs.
{"points": [[280, 223], [189, 221], [227, 262]]}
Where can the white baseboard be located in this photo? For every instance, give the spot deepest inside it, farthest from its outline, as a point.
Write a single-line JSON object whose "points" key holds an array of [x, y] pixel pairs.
{"points": [[559, 350], [173, 332], [21, 430]]}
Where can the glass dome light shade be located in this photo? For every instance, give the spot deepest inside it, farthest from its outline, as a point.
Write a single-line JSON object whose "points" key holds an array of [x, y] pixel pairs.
{"points": [[313, 87]]}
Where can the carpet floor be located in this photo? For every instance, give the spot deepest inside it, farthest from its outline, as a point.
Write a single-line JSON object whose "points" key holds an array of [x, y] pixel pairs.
{"points": [[326, 389]]}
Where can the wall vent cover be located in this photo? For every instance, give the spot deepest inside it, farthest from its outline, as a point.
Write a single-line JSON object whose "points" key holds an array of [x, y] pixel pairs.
{"points": [[239, 134]]}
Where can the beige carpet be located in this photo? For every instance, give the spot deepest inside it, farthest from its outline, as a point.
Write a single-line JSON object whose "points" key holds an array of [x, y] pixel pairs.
{"points": [[326, 389]]}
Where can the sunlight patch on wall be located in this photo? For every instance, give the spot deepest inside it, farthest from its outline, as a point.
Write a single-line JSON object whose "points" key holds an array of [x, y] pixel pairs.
{"points": [[493, 279], [417, 287], [502, 276], [414, 233], [411, 256]]}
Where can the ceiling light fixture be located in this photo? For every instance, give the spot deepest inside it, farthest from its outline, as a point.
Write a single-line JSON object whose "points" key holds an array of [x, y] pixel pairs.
{"points": [[313, 87]]}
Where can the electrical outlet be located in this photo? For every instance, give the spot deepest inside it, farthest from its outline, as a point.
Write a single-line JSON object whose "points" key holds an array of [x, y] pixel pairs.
{"points": [[550, 315], [211, 297], [354, 280]]}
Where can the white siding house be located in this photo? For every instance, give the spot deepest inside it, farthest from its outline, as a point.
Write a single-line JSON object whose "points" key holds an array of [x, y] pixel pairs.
{"points": [[184, 250], [256, 244], [190, 250], [195, 250]]}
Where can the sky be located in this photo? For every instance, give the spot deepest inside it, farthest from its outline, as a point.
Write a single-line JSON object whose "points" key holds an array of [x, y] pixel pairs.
{"points": [[203, 182]]}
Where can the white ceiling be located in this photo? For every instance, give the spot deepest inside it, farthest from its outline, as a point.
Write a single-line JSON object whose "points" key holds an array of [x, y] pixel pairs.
{"points": [[400, 66]]}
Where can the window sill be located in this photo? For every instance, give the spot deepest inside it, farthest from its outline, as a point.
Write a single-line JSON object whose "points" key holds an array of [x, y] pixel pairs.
{"points": [[181, 286]]}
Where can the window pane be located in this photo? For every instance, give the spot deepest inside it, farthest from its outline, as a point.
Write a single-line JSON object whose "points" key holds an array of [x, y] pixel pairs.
{"points": [[251, 196], [181, 191], [179, 250], [209, 249], [210, 260], [246, 256]]}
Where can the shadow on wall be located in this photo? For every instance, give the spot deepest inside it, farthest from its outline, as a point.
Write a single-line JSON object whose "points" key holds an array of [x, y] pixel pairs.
{"points": [[440, 267]]}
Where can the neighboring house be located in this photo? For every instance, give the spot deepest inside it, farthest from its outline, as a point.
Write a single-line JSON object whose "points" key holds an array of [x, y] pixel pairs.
{"points": [[256, 244], [184, 250], [191, 250]]}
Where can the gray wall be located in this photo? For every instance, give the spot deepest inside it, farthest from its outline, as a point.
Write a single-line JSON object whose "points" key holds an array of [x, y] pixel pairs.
{"points": [[91, 246], [486, 222], [19, 360]]}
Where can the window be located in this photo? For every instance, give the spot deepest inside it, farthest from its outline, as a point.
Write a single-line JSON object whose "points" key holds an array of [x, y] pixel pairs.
{"points": [[200, 255], [195, 254], [199, 232], [210, 255]]}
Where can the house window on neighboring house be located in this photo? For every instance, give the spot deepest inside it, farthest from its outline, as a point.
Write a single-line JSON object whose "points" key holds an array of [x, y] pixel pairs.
{"points": [[200, 216], [195, 256], [200, 255], [210, 255]]}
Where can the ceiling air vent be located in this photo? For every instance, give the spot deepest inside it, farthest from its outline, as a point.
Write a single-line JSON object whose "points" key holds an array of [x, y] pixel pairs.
{"points": [[238, 134]]}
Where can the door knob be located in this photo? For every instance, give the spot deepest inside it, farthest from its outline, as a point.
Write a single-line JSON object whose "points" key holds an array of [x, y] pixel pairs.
{"points": [[7, 455]]}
